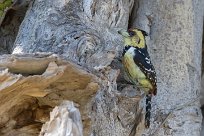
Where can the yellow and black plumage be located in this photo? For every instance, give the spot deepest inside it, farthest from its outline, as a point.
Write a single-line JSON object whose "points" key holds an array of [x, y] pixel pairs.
{"points": [[138, 67]]}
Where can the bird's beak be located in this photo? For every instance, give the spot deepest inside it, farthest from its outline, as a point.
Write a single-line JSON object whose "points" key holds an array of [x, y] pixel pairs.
{"points": [[124, 33]]}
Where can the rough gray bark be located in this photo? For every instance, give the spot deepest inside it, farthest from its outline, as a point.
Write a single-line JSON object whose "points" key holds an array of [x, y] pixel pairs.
{"points": [[85, 32], [202, 85], [175, 46], [202, 102]]}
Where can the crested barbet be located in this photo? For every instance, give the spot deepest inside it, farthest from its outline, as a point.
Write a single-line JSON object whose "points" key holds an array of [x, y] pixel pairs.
{"points": [[138, 66]]}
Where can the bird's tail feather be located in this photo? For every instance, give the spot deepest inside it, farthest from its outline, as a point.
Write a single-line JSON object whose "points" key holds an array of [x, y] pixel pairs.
{"points": [[148, 110]]}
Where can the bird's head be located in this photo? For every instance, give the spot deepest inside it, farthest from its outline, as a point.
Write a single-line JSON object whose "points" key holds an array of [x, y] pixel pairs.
{"points": [[134, 37]]}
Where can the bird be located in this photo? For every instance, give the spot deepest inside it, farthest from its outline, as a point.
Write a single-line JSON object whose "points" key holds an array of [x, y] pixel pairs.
{"points": [[138, 67]]}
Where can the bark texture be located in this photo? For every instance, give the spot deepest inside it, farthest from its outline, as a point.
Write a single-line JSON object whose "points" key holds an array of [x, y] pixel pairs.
{"points": [[175, 46], [29, 91], [64, 118], [84, 32]]}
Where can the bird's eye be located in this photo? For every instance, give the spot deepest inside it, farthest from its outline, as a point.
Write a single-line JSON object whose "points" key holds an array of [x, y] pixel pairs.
{"points": [[131, 33]]}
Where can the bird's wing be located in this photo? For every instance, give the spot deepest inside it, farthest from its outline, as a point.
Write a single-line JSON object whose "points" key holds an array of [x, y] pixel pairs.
{"points": [[142, 59]]}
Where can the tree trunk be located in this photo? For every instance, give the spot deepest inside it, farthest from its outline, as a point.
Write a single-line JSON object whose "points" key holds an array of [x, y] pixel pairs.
{"points": [[175, 47], [87, 68]]}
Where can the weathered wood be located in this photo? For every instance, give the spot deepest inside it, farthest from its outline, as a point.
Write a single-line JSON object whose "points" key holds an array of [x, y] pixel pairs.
{"points": [[86, 33], [65, 120], [27, 100], [175, 37]]}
